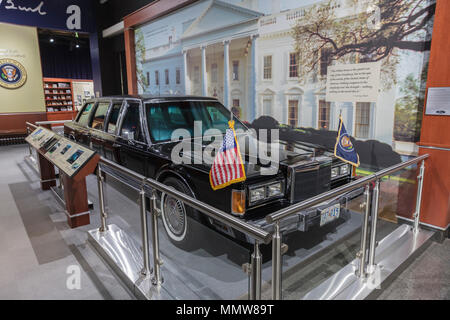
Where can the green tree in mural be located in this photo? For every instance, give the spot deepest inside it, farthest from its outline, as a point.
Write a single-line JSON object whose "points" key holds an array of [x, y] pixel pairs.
{"points": [[372, 35], [408, 110], [140, 57]]}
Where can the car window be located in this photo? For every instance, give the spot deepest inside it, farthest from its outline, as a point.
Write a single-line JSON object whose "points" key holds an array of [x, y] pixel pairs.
{"points": [[131, 126], [83, 120], [99, 116], [113, 117], [164, 118]]}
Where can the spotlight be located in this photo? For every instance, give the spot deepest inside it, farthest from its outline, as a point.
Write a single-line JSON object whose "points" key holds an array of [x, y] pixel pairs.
{"points": [[52, 40], [77, 45]]}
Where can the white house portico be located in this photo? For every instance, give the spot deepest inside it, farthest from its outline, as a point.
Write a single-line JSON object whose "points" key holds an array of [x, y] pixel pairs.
{"points": [[219, 55]]}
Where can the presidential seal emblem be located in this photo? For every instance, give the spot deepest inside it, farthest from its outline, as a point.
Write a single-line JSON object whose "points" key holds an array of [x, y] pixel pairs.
{"points": [[12, 74], [346, 143]]}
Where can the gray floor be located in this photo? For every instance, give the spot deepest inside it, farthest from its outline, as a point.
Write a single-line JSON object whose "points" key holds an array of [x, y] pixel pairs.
{"points": [[37, 247]]}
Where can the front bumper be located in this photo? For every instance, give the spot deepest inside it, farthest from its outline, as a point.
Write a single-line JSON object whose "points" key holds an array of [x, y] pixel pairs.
{"points": [[309, 218]]}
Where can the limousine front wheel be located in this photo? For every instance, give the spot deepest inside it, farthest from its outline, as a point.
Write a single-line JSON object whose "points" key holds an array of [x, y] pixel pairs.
{"points": [[176, 216]]}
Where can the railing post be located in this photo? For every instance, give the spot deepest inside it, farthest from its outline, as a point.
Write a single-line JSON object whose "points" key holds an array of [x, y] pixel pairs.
{"points": [[255, 274], [419, 196], [157, 279], [365, 227], [144, 231], [29, 145], [101, 198], [276, 263], [373, 228]]}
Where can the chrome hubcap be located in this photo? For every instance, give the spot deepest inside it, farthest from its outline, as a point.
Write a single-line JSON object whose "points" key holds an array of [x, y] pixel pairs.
{"points": [[175, 215]]}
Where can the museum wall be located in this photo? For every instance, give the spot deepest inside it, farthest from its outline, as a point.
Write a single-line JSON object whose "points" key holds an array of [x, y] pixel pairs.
{"points": [[21, 44], [112, 50]]}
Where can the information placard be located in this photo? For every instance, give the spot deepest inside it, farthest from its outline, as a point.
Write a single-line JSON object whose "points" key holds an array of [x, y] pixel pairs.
{"points": [[66, 154], [353, 82], [438, 101]]}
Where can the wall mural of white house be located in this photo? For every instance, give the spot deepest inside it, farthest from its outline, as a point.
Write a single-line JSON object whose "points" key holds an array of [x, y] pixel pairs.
{"points": [[271, 58]]}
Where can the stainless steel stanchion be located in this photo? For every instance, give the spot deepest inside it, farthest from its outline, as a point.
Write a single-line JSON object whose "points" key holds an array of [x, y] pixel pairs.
{"points": [[276, 263], [101, 198], [373, 228], [365, 227], [144, 230], [29, 145], [255, 274], [157, 279], [419, 196]]}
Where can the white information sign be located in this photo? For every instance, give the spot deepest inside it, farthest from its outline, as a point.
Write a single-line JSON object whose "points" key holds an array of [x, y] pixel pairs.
{"points": [[438, 101], [353, 82]]}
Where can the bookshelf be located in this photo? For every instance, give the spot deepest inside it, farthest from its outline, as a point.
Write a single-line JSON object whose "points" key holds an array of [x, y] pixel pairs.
{"points": [[59, 102]]}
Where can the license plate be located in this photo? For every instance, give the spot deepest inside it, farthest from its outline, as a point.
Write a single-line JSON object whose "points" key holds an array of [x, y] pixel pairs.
{"points": [[330, 214]]}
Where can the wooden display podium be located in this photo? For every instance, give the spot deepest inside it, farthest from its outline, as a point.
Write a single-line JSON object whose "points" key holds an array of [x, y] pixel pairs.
{"points": [[74, 162], [75, 194]]}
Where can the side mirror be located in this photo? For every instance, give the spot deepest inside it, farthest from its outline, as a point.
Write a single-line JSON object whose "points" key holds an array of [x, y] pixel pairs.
{"points": [[129, 135]]}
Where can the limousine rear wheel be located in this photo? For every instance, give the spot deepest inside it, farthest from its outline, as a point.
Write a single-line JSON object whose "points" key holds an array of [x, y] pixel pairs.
{"points": [[176, 216]]}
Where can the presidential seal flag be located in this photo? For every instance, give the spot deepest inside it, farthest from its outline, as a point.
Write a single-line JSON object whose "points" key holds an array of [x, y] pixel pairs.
{"points": [[344, 148], [228, 167]]}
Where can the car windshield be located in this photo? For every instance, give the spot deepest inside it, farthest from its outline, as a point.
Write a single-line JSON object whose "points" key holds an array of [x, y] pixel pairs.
{"points": [[166, 117]]}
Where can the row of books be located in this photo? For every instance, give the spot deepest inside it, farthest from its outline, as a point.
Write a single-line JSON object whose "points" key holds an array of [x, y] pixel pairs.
{"points": [[59, 103], [58, 98], [51, 109], [57, 85], [57, 91]]}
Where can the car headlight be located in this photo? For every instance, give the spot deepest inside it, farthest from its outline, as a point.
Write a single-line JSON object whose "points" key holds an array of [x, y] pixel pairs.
{"points": [[257, 194], [334, 172], [344, 170], [274, 189]]}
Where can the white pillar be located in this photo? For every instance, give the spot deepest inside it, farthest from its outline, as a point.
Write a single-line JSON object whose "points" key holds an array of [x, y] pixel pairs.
{"points": [[204, 79], [187, 89], [226, 72], [253, 102]]}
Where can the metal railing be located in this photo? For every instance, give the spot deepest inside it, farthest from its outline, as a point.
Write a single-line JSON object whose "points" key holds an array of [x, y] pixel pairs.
{"points": [[366, 254], [259, 235], [370, 195]]}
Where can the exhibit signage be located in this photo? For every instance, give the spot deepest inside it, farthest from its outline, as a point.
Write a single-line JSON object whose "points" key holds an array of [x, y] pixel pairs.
{"points": [[66, 154], [438, 101], [74, 15], [353, 82]]}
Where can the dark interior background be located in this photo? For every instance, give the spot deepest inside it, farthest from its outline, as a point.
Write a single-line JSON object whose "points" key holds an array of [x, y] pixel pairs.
{"points": [[61, 58]]}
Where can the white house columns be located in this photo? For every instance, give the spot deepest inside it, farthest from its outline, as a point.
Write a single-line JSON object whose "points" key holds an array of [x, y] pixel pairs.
{"points": [[204, 79], [226, 72], [252, 91], [187, 89]]}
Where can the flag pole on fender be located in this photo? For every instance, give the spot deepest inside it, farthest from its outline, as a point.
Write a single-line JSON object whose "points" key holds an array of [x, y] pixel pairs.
{"points": [[228, 167]]}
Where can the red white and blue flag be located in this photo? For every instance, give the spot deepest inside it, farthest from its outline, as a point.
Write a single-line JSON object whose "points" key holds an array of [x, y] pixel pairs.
{"points": [[228, 167]]}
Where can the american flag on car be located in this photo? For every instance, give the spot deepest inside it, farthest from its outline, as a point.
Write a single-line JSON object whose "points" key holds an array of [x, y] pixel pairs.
{"points": [[228, 167]]}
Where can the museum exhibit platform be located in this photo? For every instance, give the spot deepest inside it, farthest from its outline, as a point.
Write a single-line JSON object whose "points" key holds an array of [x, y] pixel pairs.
{"points": [[224, 153]]}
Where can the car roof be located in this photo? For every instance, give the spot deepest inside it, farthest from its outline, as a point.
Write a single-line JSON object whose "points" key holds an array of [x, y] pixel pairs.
{"points": [[168, 97]]}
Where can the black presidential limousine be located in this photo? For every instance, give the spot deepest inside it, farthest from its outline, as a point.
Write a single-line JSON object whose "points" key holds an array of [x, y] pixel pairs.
{"points": [[136, 132]]}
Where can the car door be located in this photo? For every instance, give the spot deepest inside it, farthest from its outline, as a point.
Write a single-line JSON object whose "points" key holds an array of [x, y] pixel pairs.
{"points": [[98, 136], [131, 141], [110, 148], [81, 134]]}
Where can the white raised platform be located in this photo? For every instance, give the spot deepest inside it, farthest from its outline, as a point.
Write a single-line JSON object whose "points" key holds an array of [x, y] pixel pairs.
{"points": [[391, 253]]}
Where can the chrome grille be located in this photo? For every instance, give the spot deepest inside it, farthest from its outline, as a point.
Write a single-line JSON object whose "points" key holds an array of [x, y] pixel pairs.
{"points": [[310, 180]]}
